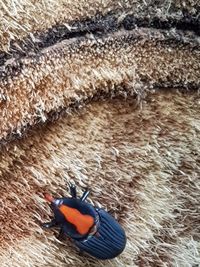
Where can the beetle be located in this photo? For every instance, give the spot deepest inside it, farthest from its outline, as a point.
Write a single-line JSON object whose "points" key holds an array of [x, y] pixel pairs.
{"points": [[92, 229]]}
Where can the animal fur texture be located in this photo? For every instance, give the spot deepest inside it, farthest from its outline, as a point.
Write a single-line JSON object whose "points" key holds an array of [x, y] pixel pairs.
{"points": [[104, 94]]}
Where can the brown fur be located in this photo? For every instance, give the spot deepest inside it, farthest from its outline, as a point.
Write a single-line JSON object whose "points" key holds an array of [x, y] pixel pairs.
{"points": [[143, 157], [27, 17], [77, 69], [122, 128]]}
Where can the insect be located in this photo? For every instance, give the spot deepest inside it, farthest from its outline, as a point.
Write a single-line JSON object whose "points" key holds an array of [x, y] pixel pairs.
{"points": [[93, 230]]}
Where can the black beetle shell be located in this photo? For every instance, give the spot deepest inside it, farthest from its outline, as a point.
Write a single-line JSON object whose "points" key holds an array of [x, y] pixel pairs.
{"points": [[110, 240]]}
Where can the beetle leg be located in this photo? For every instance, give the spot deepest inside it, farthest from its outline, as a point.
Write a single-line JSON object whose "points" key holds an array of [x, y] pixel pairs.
{"points": [[50, 224], [72, 189], [61, 234], [81, 253], [85, 195]]}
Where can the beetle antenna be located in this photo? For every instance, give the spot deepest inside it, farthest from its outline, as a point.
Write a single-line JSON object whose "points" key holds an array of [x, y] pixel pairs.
{"points": [[72, 188], [85, 195]]}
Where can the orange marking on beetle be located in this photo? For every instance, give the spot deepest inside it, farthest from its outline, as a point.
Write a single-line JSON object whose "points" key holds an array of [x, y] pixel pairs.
{"points": [[82, 222]]}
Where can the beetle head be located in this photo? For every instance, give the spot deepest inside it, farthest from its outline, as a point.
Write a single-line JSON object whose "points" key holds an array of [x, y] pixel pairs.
{"points": [[55, 202]]}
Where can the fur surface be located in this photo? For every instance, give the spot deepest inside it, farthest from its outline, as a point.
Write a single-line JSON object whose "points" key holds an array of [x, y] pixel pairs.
{"points": [[78, 69], [27, 17], [113, 105], [140, 163]]}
